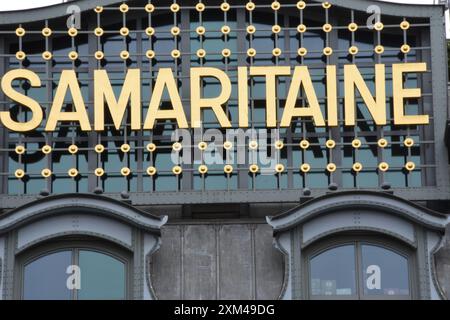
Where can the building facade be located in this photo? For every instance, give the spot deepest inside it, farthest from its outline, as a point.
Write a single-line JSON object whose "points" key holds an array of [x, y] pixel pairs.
{"points": [[224, 150]]}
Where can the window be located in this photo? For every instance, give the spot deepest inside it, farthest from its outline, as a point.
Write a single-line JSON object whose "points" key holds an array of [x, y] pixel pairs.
{"points": [[74, 273], [359, 270]]}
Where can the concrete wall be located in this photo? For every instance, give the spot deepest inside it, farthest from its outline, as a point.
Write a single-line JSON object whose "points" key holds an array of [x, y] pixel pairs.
{"points": [[217, 261]]}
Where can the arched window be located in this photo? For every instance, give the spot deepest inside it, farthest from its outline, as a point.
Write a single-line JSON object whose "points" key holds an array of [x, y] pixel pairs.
{"points": [[79, 271], [362, 269]]}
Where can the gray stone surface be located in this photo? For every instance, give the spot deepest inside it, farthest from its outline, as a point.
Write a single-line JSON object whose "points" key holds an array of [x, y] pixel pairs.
{"points": [[442, 259]]}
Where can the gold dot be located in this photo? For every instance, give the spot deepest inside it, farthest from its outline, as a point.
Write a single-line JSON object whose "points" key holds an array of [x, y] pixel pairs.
{"points": [[151, 171], [150, 31], [125, 148], [124, 31], [73, 32], [177, 146], [149, 8], [279, 144], [73, 172], [99, 172], [47, 55], [175, 31], [276, 29], [251, 29], [98, 9], [382, 143], [227, 145], [378, 26], [408, 142], [357, 167], [177, 170], [353, 50], [124, 55], [379, 49], [151, 147], [20, 55], [46, 173], [331, 144], [99, 55], [200, 30], [200, 7], [124, 8], [226, 53], [331, 167], [225, 29], [356, 143], [125, 171], [279, 168], [352, 27], [150, 54], [73, 149], [276, 52], [251, 52], [405, 48], [304, 144], [46, 32], [175, 54], [175, 7], [20, 149], [301, 5], [250, 6], [302, 52], [404, 25], [203, 169], [201, 53], [20, 32], [225, 6], [254, 168], [327, 51], [202, 145], [19, 173], [228, 169], [46, 149], [305, 168], [73, 55], [326, 5], [410, 166], [275, 5], [98, 32], [383, 166], [327, 27], [253, 145], [301, 28], [99, 148]]}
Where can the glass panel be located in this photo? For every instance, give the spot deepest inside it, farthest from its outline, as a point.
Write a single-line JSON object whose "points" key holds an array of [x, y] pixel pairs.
{"points": [[384, 271], [45, 278], [102, 277], [332, 273]]}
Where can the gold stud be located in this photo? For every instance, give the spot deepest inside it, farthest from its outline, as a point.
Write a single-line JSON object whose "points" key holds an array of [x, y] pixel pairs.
{"points": [[175, 7], [150, 31], [175, 54], [175, 31], [19, 173], [326, 5], [279, 168], [98, 9], [356, 143], [125, 171], [254, 168], [408, 142], [353, 50], [200, 30], [225, 29], [46, 173], [73, 32], [304, 144], [99, 148], [382, 143], [301, 28], [20, 55], [201, 53], [46, 149], [251, 52], [226, 53], [73, 149], [99, 172], [73, 55], [47, 55], [301, 5], [275, 5], [124, 31], [151, 147], [404, 25], [151, 171], [98, 32], [202, 145], [331, 144], [357, 167], [203, 169], [177, 170], [251, 29], [125, 148], [379, 49], [276, 29], [279, 144], [253, 145], [276, 52], [383, 166], [331, 167], [20, 149], [378, 26], [73, 172], [405, 48], [327, 27], [200, 7], [149, 8], [46, 32], [305, 168], [224, 7], [99, 55], [352, 27], [177, 146], [124, 8], [20, 32], [250, 6], [410, 166], [302, 52], [228, 169], [150, 54], [327, 51], [124, 55], [227, 145]]}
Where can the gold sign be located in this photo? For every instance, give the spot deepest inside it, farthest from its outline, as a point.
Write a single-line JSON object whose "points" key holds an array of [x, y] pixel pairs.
{"points": [[130, 97]]}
